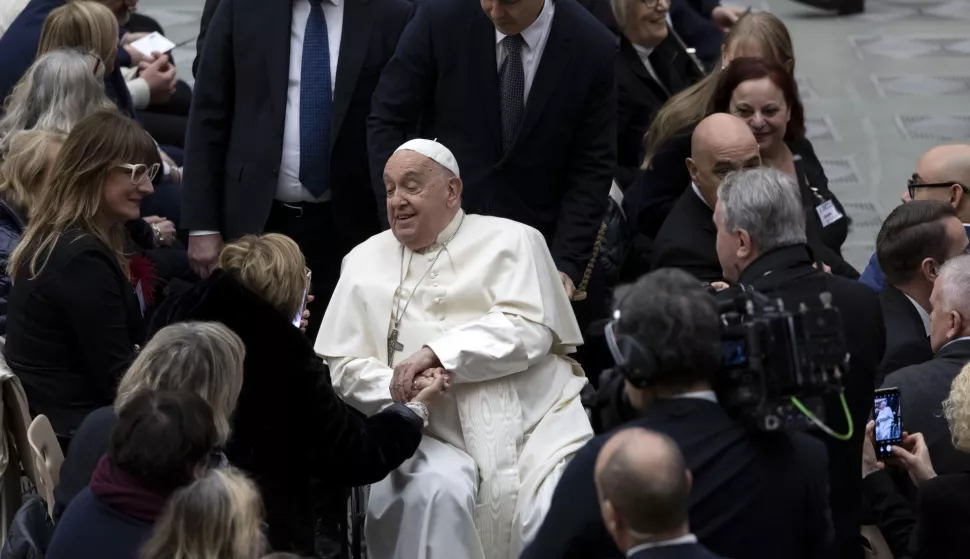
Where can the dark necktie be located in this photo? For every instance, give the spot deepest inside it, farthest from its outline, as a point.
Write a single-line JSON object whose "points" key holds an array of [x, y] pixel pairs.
{"points": [[512, 83], [316, 98]]}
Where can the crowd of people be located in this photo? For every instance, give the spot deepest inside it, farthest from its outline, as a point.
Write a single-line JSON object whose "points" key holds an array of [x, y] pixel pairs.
{"points": [[238, 301]]}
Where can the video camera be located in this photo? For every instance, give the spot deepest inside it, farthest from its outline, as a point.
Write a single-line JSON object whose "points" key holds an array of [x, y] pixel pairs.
{"points": [[778, 365]]}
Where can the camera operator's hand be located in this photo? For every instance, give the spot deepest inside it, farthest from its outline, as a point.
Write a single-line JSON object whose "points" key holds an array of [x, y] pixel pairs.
{"points": [[914, 457], [870, 464]]}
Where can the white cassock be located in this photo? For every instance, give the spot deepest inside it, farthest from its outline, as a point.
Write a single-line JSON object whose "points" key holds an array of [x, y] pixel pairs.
{"points": [[494, 311]]}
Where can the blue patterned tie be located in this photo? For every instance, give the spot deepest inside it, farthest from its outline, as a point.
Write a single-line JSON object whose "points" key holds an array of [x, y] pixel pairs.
{"points": [[316, 98]]}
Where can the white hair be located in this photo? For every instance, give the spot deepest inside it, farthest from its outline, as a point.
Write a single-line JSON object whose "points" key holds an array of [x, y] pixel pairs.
{"points": [[954, 285], [58, 90], [766, 203]]}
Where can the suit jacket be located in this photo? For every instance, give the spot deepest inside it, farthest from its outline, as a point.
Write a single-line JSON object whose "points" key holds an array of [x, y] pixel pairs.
{"points": [[640, 96], [683, 551], [688, 239], [922, 390], [443, 83], [208, 10], [755, 495], [906, 340], [234, 142], [72, 330], [793, 279]]}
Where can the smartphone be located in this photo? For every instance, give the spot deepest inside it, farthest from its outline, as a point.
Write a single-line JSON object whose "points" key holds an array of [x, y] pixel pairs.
{"points": [[889, 424], [298, 319]]}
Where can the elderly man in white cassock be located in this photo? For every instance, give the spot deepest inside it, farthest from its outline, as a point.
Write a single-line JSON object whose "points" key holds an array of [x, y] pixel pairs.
{"points": [[479, 297]]}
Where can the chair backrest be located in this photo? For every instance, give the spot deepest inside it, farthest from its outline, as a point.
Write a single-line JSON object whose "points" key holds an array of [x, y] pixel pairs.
{"points": [[15, 453], [48, 458]]}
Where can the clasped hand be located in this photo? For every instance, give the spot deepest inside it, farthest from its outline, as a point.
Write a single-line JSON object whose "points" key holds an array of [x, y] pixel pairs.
{"points": [[420, 371]]}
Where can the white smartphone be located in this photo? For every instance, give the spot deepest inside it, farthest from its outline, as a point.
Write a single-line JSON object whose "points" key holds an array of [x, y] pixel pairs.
{"points": [[298, 319]]}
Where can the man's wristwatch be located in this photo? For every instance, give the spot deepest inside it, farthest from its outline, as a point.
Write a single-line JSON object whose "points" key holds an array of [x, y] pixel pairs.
{"points": [[420, 409]]}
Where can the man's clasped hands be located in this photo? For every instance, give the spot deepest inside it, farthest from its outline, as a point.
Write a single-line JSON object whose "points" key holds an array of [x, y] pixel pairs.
{"points": [[420, 378]]}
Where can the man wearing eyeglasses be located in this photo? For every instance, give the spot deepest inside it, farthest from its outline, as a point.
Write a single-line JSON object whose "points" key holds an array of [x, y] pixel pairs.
{"points": [[943, 173]]}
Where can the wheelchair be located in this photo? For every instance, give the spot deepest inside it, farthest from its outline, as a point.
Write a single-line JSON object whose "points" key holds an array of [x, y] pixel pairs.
{"points": [[353, 545]]}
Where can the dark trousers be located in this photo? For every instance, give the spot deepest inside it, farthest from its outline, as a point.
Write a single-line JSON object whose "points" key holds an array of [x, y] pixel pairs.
{"points": [[311, 225]]}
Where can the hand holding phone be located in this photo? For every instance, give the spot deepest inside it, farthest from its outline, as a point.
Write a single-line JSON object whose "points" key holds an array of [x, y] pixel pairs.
{"points": [[889, 426], [298, 319]]}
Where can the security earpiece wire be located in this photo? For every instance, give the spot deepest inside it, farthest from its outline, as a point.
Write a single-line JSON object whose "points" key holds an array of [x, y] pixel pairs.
{"points": [[818, 423]]}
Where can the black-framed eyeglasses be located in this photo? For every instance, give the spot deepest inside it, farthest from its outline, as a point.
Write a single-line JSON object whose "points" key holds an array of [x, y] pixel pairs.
{"points": [[916, 182], [141, 171]]}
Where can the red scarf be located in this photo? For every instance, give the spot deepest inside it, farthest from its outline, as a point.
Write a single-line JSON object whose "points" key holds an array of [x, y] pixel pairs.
{"points": [[125, 493]]}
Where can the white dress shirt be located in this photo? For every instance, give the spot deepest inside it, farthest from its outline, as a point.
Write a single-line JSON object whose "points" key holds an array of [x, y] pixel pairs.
{"points": [[644, 54], [697, 191], [925, 316], [688, 539], [289, 189], [535, 36]]}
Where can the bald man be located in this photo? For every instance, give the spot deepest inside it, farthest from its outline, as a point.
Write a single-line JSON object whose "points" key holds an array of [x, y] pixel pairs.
{"points": [[942, 173], [721, 143], [644, 486]]}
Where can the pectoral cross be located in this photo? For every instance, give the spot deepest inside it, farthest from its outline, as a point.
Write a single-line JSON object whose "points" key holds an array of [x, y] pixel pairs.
{"points": [[393, 346]]}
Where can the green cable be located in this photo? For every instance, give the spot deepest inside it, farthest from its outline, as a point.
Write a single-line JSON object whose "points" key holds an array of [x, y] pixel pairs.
{"points": [[824, 427]]}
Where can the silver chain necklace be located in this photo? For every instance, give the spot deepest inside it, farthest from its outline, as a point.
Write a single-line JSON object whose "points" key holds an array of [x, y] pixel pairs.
{"points": [[397, 314]]}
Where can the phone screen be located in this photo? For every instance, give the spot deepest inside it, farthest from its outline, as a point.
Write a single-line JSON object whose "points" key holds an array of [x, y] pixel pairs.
{"points": [[889, 425], [298, 319]]}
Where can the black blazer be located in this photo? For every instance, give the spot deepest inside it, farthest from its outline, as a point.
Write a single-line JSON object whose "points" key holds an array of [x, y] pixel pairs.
{"points": [[688, 240], [922, 390], [640, 96], [941, 510], [234, 140], [906, 340], [72, 331], [755, 495], [289, 425], [443, 83], [793, 279], [682, 551]]}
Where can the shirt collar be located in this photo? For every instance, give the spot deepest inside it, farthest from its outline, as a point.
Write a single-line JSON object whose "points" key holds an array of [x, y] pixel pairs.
{"points": [[643, 51], [925, 316], [953, 341], [683, 540], [447, 234], [532, 33], [708, 395], [697, 191]]}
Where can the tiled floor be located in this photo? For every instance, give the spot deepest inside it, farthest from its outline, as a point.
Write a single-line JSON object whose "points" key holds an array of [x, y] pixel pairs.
{"points": [[880, 88]]}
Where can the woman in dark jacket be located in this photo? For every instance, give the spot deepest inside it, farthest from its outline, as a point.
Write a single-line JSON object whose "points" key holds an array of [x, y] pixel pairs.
{"points": [[73, 320], [289, 425], [163, 441]]}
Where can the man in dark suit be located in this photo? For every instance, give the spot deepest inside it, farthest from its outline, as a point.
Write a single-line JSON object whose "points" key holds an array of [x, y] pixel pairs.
{"points": [[524, 95], [644, 490], [914, 241], [276, 137], [761, 244], [924, 387], [721, 143], [754, 495], [651, 66]]}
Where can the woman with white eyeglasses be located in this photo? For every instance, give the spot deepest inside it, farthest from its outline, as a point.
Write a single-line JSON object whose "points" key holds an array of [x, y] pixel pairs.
{"points": [[74, 321]]}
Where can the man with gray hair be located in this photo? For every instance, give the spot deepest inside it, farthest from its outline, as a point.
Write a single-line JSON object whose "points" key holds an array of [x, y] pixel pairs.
{"points": [[924, 387], [761, 244]]}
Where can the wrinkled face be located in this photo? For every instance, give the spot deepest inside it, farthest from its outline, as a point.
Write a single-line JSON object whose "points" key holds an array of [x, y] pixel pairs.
{"points": [[712, 166], [647, 24], [728, 246], [761, 104], [122, 195], [511, 17], [421, 198]]}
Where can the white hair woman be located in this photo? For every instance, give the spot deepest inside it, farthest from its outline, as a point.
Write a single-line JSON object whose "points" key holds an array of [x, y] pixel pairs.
{"points": [[287, 406], [201, 357]]}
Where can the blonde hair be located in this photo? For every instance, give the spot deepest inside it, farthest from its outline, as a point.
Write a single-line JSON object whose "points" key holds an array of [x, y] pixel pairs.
{"points": [[201, 357], [27, 166], [690, 106], [956, 408], [218, 516], [70, 201], [89, 26], [272, 266]]}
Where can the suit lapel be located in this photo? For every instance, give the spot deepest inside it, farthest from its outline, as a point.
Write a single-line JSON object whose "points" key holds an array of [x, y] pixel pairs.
{"points": [[632, 59], [277, 18], [355, 36], [482, 34], [552, 65]]}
